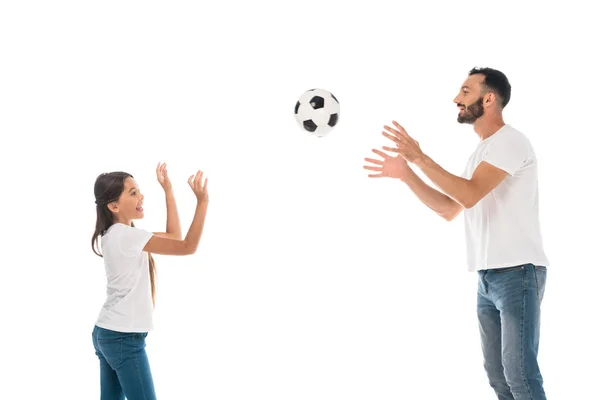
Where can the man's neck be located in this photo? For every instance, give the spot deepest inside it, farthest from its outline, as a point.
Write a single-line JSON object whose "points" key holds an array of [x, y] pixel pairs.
{"points": [[484, 128]]}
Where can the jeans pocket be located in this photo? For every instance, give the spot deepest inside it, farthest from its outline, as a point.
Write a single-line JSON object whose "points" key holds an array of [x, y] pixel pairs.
{"points": [[111, 345], [133, 345], [112, 350]]}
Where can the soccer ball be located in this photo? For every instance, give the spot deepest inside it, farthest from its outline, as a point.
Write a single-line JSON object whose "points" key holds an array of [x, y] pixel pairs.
{"points": [[317, 112]]}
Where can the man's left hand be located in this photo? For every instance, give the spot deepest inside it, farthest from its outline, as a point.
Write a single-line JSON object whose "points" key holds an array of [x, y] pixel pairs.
{"points": [[406, 146]]}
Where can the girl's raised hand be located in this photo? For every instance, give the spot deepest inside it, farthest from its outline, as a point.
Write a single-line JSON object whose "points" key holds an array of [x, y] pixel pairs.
{"points": [[163, 177], [199, 186]]}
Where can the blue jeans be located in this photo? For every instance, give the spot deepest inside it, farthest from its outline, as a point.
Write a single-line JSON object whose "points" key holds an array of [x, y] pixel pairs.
{"points": [[508, 309], [124, 366]]}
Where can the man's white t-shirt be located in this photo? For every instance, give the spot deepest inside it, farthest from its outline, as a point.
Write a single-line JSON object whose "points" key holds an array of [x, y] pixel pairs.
{"points": [[128, 306], [503, 228]]}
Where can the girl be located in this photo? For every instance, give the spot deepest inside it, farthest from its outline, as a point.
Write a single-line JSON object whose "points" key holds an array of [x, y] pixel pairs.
{"points": [[126, 317]]}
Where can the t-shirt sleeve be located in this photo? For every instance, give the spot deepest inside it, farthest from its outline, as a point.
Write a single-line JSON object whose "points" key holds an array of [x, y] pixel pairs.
{"points": [[134, 239], [464, 173], [509, 152]]}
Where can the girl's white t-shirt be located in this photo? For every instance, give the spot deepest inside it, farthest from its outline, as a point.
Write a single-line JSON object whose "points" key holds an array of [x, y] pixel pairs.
{"points": [[503, 228], [128, 306]]}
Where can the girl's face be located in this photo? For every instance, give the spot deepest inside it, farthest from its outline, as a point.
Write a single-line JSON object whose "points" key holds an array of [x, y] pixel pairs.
{"points": [[129, 205]]}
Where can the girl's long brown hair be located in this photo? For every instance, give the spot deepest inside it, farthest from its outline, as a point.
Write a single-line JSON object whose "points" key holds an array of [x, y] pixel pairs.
{"points": [[108, 188]]}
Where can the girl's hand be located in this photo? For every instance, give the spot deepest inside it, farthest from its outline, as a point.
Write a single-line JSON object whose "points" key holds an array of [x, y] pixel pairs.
{"points": [[199, 186], [163, 177]]}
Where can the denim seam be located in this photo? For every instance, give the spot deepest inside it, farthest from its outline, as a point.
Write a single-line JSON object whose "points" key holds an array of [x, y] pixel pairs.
{"points": [[120, 353], [139, 373], [522, 352], [537, 284], [485, 284]]}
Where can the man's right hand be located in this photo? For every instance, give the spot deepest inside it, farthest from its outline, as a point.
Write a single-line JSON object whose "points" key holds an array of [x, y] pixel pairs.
{"points": [[388, 166]]}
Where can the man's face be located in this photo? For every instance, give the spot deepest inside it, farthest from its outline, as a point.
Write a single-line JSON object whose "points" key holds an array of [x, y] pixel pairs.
{"points": [[470, 100]]}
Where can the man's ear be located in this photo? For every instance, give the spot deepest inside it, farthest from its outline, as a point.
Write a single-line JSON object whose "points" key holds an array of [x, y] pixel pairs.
{"points": [[489, 99]]}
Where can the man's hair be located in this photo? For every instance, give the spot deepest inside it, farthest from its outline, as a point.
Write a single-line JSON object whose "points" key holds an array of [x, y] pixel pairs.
{"points": [[496, 82]]}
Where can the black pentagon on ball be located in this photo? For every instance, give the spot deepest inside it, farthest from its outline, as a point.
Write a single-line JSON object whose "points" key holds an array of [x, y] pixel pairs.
{"points": [[297, 107], [336, 100], [317, 102], [309, 125], [333, 119]]}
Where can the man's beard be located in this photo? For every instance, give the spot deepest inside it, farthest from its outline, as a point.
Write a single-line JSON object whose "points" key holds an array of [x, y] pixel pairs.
{"points": [[470, 114]]}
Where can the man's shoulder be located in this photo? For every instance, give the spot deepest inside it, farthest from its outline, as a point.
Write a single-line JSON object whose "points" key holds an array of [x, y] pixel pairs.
{"points": [[511, 133], [508, 128]]}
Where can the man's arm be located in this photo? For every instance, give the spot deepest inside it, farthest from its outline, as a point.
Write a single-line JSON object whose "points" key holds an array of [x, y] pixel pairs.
{"points": [[466, 192], [443, 205]]}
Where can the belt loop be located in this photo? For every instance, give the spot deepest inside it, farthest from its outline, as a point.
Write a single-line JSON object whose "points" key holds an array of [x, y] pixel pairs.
{"points": [[537, 284], [485, 282]]}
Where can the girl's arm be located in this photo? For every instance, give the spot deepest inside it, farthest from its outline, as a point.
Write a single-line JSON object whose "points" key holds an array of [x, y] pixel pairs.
{"points": [[173, 230], [158, 245]]}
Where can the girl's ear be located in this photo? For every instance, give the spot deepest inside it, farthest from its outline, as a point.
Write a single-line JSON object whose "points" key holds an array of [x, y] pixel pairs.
{"points": [[113, 207]]}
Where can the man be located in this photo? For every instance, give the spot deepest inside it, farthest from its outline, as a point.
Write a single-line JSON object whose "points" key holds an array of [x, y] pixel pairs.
{"points": [[498, 192]]}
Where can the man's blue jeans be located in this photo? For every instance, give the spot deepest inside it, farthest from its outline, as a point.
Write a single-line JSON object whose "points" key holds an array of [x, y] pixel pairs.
{"points": [[508, 309], [124, 366]]}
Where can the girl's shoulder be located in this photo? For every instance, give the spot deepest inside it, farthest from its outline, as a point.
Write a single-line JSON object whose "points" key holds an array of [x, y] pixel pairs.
{"points": [[129, 239]]}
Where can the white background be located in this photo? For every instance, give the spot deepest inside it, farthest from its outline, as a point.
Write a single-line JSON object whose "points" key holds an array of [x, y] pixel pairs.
{"points": [[311, 280]]}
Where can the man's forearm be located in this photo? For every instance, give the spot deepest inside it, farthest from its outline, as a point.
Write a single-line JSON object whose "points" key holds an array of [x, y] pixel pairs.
{"points": [[432, 198], [455, 187]]}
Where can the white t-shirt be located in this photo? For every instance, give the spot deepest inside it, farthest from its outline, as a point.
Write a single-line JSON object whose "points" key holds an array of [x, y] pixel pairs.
{"points": [[503, 228], [128, 306]]}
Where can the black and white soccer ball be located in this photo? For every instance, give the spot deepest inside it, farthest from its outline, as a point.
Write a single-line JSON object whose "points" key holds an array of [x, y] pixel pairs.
{"points": [[317, 112]]}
